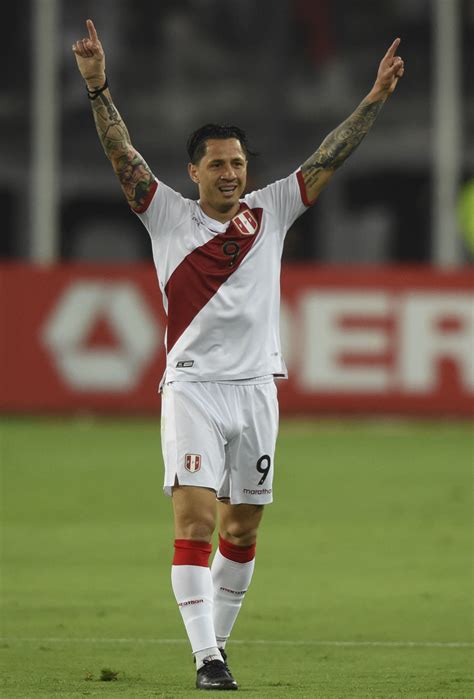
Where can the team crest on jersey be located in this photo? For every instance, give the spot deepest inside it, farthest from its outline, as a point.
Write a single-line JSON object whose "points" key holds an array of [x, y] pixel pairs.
{"points": [[192, 462], [245, 222]]}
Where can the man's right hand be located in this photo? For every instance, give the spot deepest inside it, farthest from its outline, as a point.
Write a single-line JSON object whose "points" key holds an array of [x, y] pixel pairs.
{"points": [[90, 58]]}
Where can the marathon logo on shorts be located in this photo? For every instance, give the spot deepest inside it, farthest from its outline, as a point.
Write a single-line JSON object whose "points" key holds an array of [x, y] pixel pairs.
{"points": [[245, 222], [257, 491], [192, 462]]}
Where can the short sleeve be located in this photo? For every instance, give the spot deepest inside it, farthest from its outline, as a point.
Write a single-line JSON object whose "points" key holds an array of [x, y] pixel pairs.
{"points": [[165, 211], [285, 198]]}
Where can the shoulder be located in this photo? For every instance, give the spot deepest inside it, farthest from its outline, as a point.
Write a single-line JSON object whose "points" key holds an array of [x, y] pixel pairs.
{"points": [[280, 183], [165, 196], [279, 192], [284, 200], [166, 210]]}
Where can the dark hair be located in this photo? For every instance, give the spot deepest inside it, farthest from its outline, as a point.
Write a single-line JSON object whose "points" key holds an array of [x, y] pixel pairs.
{"points": [[196, 145]]}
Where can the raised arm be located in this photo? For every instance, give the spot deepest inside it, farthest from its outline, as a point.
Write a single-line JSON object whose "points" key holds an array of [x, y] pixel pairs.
{"points": [[136, 178], [340, 143]]}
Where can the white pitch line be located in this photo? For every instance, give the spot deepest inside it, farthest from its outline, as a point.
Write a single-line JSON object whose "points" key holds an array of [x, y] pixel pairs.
{"points": [[171, 641]]}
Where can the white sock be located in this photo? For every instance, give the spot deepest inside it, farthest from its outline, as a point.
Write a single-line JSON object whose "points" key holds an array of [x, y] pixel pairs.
{"points": [[231, 580], [207, 654], [192, 587]]}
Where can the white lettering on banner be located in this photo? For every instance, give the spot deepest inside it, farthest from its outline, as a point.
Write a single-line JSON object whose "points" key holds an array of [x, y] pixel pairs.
{"points": [[341, 356], [326, 340], [80, 307], [436, 326]]}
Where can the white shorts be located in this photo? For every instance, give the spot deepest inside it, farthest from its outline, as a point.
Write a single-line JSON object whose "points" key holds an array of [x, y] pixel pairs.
{"points": [[220, 436]]}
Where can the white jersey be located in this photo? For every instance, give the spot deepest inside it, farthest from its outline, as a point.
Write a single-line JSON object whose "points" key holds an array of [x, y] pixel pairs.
{"points": [[221, 281]]}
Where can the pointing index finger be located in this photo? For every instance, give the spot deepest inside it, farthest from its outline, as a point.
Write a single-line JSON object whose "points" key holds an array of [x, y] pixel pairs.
{"points": [[391, 51], [92, 31]]}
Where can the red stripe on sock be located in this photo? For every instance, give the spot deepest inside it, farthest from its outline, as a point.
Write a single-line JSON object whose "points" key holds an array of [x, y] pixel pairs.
{"points": [[240, 554], [191, 553]]}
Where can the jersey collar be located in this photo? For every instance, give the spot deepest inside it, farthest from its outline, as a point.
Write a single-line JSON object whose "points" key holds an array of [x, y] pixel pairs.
{"points": [[212, 223]]}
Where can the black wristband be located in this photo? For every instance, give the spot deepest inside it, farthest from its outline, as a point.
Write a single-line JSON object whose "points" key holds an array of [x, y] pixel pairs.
{"points": [[92, 94]]}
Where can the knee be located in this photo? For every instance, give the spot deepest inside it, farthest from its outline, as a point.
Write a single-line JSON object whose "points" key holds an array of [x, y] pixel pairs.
{"points": [[193, 523], [196, 528], [242, 532], [194, 513], [240, 538]]}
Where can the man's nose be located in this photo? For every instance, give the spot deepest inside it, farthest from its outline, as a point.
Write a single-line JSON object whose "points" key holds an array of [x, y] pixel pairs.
{"points": [[228, 173]]}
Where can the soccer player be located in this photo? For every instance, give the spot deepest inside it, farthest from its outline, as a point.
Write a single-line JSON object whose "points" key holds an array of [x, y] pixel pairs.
{"points": [[218, 266]]}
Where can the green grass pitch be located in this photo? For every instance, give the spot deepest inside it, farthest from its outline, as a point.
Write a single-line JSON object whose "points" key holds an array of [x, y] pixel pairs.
{"points": [[363, 584]]}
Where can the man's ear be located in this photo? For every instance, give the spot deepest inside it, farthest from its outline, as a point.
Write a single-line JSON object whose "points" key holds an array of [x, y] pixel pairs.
{"points": [[192, 171]]}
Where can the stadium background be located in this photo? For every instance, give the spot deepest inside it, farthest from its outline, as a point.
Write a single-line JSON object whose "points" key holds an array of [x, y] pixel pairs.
{"points": [[377, 328], [376, 286]]}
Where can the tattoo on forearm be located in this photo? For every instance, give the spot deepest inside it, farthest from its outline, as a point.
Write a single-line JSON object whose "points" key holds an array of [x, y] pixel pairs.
{"points": [[112, 131], [341, 142], [134, 174]]}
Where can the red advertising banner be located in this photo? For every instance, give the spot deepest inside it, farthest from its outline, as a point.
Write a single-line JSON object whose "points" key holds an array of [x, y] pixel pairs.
{"points": [[360, 340]]}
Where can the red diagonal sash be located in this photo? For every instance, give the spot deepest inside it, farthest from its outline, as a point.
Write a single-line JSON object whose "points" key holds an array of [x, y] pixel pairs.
{"points": [[198, 277]]}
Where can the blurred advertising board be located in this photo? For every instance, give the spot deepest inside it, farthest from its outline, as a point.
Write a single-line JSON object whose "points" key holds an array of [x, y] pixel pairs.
{"points": [[375, 340]]}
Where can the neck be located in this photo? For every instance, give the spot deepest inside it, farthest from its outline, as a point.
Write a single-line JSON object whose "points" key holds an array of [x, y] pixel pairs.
{"points": [[221, 216]]}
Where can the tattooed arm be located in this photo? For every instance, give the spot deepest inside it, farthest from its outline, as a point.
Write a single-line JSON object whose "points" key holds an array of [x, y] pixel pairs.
{"points": [[135, 176], [340, 143]]}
